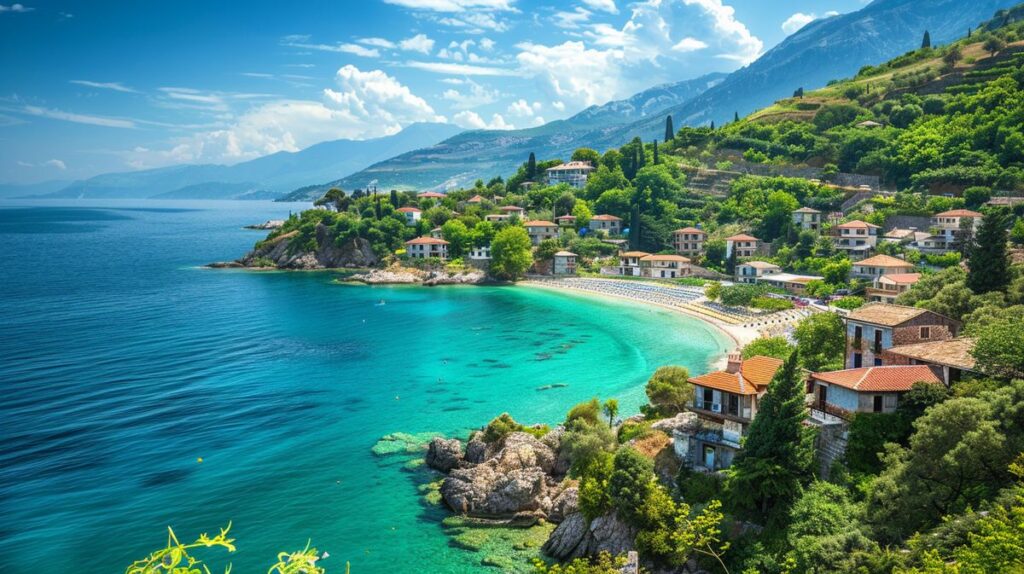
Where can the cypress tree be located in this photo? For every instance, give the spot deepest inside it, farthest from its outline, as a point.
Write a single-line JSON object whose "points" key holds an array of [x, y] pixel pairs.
{"points": [[656, 162], [670, 134], [634, 227], [531, 167], [735, 116], [799, 93], [926, 42], [989, 264], [394, 198], [712, 124], [778, 454], [376, 209], [730, 262]]}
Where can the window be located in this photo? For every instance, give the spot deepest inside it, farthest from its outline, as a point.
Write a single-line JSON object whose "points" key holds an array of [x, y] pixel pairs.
{"points": [[858, 332], [926, 332], [734, 404], [878, 362], [858, 360], [877, 403]]}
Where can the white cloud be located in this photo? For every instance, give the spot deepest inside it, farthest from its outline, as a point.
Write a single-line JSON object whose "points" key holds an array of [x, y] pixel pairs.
{"points": [[15, 8], [524, 109], [605, 5], [460, 69], [475, 22], [799, 20], [55, 163], [78, 118], [689, 45], [341, 47], [741, 45], [453, 5], [418, 43], [472, 120], [377, 42], [477, 95], [571, 71], [115, 86], [572, 20]]}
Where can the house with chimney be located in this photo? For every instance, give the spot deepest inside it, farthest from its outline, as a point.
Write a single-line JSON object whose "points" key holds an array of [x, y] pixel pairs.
{"points": [[876, 327]]}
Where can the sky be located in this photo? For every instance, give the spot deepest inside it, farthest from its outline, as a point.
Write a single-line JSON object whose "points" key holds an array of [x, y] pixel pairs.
{"points": [[99, 86]]}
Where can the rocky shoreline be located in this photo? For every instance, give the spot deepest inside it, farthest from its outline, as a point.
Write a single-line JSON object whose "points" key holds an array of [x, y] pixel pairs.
{"points": [[397, 275]]}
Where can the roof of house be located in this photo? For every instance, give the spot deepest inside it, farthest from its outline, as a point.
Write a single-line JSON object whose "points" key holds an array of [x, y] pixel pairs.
{"points": [[869, 124], [430, 194], [857, 224], [902, 278], [565, 217], [754, 372], [565, 254], [951, 352], [678, 258], [407, 210], [511, 208], [572, 165], [807, 210], [742, 237], [883, 261], [634, 254], [475, 199], [958, 213], [791, 278], [426, 241], [539, 223], [604, 217], [885, 314], [690, 230], [896, 378], [760, 265]]}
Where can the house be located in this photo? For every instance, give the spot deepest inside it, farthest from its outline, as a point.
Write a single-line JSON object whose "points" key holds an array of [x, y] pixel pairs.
{"points": [[629, 263], [689, 241], [910, 237], [481, 253], [874, 267], [565, 263], [430, 195], [887, 287], [510, 210], [608, 223], [751, 271], [574, 173], [475, 200], [950, 358], [540, 230], [566, 220], [946, 226], [807, 218], [745, 245], [856, 237], [496, 217], [795, 284], [411, 214], [664, 266], [875, 327], [427, 247], [866, 389], [436, 233], [725, 403]]}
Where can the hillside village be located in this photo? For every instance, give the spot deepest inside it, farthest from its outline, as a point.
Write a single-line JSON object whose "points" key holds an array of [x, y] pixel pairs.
{"points": [[868, 234]]}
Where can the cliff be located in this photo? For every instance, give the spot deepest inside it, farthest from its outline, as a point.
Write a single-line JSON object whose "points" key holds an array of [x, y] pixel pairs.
{"points": [[281, 252]]}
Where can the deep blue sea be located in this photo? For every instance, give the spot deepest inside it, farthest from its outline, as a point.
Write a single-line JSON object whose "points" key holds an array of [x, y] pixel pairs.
{"points": [[123, 362]]}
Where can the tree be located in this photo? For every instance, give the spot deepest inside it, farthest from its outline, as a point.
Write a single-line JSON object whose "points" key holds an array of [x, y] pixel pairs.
{"points": [[656, 160], [999, 348], [976, 196], [1017, 232], [611, 410], [670, 133], [994, 45], [668, 390], [546, 250], [459, 237], [953, 56], [777, 347], [531, 167], [586, 154], [824, 530], [926, 42], [735, 116], [631, 482], [777, 456], [510, 253], [335, 198], [799, 93], [394, 199], [821, 340], [730, 263], [989, 266], [712, 125]]}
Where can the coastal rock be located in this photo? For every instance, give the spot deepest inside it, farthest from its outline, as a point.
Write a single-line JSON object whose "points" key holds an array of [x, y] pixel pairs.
{"points": [[476, 451], [267, 225], [574, 538], [403, 276], [682, 421], [281, 252], [444, 454], [565, 504], [520, 450], [486, 490]]}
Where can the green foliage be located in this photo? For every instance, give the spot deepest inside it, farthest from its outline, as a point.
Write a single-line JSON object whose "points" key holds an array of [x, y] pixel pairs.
{"points": [[698, 487], [511, 253], [821, 341], [668, 390], [610, 408], [631, 482], [999, 347], [989, 268], [768, 474], [850, 302], [603, 563], [500, 427], [594, 480], [588, 411], [777, 347], [742, 294], [824, 534], [771, 304]]}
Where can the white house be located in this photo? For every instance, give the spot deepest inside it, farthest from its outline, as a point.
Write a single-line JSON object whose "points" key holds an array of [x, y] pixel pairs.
{"points": [[411, 214], [608, 223], [888, 287], [664, 266], [745, 245], [427, 247], [856, 237], [807, 218], [751, 271], [947, 225], [565, 263], [874, 267], [629, 262], [510, 210], [689, 241], [540, 230], [482, 253], [574, 173]]}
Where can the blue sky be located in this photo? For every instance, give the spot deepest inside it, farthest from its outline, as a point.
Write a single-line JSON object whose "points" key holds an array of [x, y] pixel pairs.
{"points": [[98, 86]]}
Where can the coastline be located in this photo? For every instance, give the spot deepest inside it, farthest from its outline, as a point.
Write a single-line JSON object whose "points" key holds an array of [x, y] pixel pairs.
{"points": [[739, 335]]}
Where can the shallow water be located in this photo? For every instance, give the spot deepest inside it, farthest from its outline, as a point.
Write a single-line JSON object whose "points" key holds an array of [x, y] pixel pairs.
{"points": [[122, 363]]}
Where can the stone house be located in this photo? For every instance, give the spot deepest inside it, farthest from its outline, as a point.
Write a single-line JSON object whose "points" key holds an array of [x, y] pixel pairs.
{"points": [[866, 389], [875, 327], [807, 218], [565, 263], [950, 358]]}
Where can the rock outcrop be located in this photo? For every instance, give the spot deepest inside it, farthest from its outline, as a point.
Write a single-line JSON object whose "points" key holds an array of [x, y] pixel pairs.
{"points": [[281, 253], [403, 275], [444, 454], [575, 538]]}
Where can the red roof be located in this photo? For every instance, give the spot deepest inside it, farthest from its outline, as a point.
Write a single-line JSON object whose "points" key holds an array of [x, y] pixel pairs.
{"points": [[899, 378], [883, 261], [605, 218], [430, 194], [475, 199], [511, 208], [407, 210], [689, 230], [565, 217], [959, 213], [426, 241], [902, 278], [857, 224], [539, 224], [742, 237], [754, 374]]}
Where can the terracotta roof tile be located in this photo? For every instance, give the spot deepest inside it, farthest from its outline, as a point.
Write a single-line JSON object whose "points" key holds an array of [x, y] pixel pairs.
{"points": [[426, 241], [884, 314], [880, 379], [951, 352], [690, 230], [678, 258], [959, 213], [902, 278], [755, 374], [605, 218], [883, 261], [634, 254], [407, 210], [742, 237], [539, 223], [857, 224], [761, 265]]}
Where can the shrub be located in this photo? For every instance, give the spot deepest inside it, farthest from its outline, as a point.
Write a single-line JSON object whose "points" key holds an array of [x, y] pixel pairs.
{"points": [[698, 487], [771, 303], [589, 411], [850, 302], [504, 425]]}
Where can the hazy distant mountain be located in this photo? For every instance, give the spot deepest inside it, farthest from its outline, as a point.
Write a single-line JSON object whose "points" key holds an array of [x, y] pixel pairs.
{"points": [[272, 175], [484, 153], [8, 190], [823, 50]]}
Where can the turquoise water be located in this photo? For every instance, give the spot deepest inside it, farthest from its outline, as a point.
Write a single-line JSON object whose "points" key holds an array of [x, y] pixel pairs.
{"points": [[122, 363]]}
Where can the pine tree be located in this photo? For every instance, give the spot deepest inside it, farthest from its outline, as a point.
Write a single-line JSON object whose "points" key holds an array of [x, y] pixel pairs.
{"points": [[989, 264], [778, 454], [670, 134], [656, 162], [531, 167], [926, 42]]}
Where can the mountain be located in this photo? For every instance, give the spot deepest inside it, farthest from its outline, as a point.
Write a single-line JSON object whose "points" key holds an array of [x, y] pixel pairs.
{"points": [[270, 175], [823, 50], [484, 153], [8, 190]]}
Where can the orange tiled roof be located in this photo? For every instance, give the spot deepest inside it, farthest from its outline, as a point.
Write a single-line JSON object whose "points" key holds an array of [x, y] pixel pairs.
{"points": [[539, 223], [512, 208], [902, 278], [807, 210], [605, 218], [754, 374], [634, 254], [857, 224], [426, 241], [430, 194], [958, 213], [742, 237], [883, 261], [880, 379], [407, 210], [951, 352], [475, 199], [689, 230], [572, 165], [678, 258]]}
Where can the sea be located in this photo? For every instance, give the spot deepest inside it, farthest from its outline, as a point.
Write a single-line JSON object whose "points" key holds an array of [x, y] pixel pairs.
{"points": [[142, 391]]}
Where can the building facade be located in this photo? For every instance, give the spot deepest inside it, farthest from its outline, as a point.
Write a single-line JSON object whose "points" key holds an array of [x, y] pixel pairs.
{"points": [[874, 267], [609, 224], [565, 263], [426, 248], [574, 173], [540, 230], [807, 219], [689, 241], [664, 266], [751, 271], [876, 327], [412, 215], [858, 238], [744, 245], [867, 389]]}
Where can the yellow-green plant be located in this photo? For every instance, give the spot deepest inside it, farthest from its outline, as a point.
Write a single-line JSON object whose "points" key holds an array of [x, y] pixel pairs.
{"points": [[302, 562], [175, 558]]}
